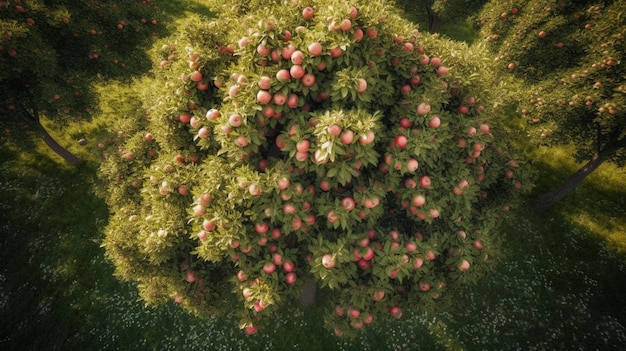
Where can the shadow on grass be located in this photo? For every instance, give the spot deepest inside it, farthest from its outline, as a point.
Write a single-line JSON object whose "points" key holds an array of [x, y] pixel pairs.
{"points": [[598, 204], [557, 288], [177, 8]]}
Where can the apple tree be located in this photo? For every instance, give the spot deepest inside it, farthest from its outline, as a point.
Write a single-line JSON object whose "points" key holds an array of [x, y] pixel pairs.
{"points": [[50, 53], [569, 55], [317, 142]]}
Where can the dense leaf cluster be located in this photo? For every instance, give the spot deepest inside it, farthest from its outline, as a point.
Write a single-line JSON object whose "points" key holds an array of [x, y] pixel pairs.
{"points": [[319, 141]]}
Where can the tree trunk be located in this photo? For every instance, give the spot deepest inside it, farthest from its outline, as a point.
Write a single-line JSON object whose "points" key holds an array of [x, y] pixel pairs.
{"points": [[58, 149], [33, 119], [434, 22], [546, 200]]}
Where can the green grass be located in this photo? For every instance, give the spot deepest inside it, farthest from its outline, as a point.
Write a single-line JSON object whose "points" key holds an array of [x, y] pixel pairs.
{"points": [[597, 205], [560, 285], [557, 287]]}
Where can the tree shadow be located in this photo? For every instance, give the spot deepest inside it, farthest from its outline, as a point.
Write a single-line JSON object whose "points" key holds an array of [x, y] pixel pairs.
{"points": [[596, 204]]}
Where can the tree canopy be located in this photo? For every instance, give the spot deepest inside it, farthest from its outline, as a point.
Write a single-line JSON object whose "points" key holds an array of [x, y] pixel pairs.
{"points": [[314, 142], [568, 57], [51, 51]]}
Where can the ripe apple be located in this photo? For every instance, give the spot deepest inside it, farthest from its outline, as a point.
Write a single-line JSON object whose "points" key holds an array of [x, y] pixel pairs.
{"points": [[242, 276], [347, 137], [296, 71], [433, 213], [464, 265], [315, 49], [242, 141], [279, 99], [203, 133], [353, 13], [202, 235], [269, 268], [395, 312], [303, 145], [283, 75], [308, 13], [367, 138], [477, 244], [353, 313], [334, 130], [277, 259], [348, 203], [264, 97], [191, 277], [401, 141], [289, 266], [423, 108], [435, 122], [208, 225], [297, 57], [335, 52], [291, 278], [261, 228], [332, 217], [265, 82], [212, 114], [418, 262], [369, 254], [328, 261], [412, 165], [235, 120], [358, 34], [425, 181], [308, 80]]}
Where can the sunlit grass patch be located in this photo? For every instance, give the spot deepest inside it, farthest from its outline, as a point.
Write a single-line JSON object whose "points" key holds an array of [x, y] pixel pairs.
{"points": [[550, 292], [597, 204]]}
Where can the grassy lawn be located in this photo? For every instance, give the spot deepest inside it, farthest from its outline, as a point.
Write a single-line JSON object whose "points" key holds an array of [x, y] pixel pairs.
{"points": [[561, 283], [559, 286]]}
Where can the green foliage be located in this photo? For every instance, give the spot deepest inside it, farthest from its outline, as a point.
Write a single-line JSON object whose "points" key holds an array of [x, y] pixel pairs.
{"points": [[52, 51], [234, 165], [570, 56]]}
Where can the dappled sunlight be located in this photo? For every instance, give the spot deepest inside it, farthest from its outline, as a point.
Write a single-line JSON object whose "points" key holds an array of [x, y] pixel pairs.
{"points": [[598, 204]]}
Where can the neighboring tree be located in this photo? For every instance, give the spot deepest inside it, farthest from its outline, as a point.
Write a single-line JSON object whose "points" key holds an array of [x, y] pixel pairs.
{"points": [[52, 51], [282, 146], [569, 55]]}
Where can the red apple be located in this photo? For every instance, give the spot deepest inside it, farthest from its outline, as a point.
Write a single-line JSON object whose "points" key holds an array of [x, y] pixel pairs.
{"points": [[464, 265], [334, 130], [291, 278], [395, 312], [362, 85], [423, 108], [401, 141], [235, 120], [435, 122], [297, 57], [296, 71], [348, 203], [283, 75], [412, 165], [308, 13], [328, 261], [308, 80], [367, 138], [269, 268], [315, 49]]}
